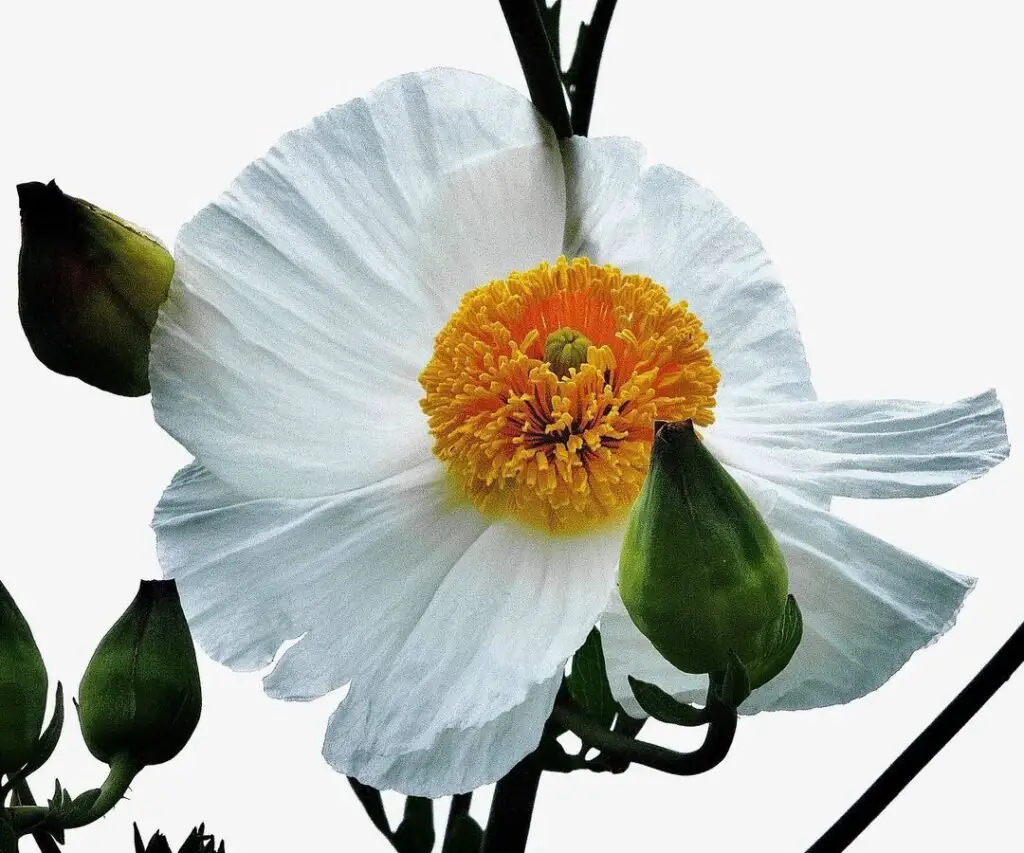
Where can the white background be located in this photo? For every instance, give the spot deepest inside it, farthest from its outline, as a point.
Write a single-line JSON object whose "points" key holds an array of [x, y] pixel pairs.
{"points": [[876, 149]]}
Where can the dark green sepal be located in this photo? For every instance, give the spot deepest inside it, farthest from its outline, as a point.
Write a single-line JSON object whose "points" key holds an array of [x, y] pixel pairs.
{"points": [[664, 707], [23, 687], [784, 637], [588, 681]]}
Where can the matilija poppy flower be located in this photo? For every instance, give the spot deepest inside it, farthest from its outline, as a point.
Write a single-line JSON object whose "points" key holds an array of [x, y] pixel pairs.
{"points": [[420, 415]]}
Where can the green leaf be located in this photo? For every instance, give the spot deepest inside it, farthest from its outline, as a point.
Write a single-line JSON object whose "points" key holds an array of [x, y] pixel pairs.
{"points": [[466, 836], [415, 834], [781, 646], [8, 840], [731, 685], [588, 681], [662, 706]]}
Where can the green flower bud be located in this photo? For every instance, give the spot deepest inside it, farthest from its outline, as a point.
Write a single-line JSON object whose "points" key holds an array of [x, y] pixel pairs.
{"points": [[89, 288], [23, 687], [140, 696], [700, 573]]}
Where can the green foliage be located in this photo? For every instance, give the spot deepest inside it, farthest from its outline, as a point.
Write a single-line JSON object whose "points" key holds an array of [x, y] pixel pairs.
{"points": [[783, 638], [662, 706], [197, 842], [588, 681]]}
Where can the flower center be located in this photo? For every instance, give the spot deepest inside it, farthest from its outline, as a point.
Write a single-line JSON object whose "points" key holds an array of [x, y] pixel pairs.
{"points": [[544, 387]]}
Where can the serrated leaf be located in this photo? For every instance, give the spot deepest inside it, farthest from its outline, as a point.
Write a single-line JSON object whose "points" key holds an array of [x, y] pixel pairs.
{"points": [[415, 834], [140, 847], [662, 706], [588, 681], [373, 805], [466, 836], [731, 685], [786, 635]]}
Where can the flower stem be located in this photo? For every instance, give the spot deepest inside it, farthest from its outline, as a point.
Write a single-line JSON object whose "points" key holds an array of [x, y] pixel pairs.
{"points": [[44, 841], [460, 806], [543, 76], [924, 748], [721, 730], [508, 824], [585, 65]]}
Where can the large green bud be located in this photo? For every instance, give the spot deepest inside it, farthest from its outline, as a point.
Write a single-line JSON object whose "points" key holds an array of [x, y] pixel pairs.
{"points": [[700, 573], [89, 288], [140, 696], [23, 685]]}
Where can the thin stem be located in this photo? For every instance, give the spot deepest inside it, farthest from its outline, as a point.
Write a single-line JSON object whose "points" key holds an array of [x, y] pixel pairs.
{"points": [[543, 77], [721, 731], [508, 824], [924, 748], [586, 64], [44, 841], [460, 806]]}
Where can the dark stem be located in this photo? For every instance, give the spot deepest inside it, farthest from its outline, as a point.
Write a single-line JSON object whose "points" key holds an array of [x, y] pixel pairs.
{"points": [[508, 824], [924, 747], [586, 64], [543, 77], [460, 806], [44, 841], [721, 730]]}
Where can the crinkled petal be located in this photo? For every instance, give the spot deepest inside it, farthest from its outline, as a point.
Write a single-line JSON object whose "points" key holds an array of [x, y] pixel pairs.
{"points": [[458, 759], [305, 300], [865, 449], [510, 612], [867, 607], [447, 626], [349, 575], [663, 224]]}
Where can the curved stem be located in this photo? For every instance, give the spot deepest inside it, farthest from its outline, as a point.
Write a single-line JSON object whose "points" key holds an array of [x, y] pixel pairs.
{"points": [[122, 771], [925, 747], [721, 730], [543, 77], [586, 64]]}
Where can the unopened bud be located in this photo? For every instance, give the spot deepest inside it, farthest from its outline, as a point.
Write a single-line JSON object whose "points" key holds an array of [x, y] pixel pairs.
{"points": [[23, 685], [140, 696], [89, 289], [700, 573]]}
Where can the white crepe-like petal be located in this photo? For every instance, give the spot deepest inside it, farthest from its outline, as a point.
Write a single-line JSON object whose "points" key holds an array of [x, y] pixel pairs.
{"points": [[665, 225], [867, 607], [865, 449], [443, 623], [350, 575], [304, 302], [458, 759], [515, 606]]}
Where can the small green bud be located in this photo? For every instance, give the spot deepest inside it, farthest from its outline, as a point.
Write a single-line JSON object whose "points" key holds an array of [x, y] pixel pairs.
{"points": [[89, 289], [23, 686], [140, 696], [564, 349], [700, 573]]}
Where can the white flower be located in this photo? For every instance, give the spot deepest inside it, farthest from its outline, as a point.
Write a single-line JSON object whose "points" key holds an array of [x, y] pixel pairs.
{"points": [[292, 357]]}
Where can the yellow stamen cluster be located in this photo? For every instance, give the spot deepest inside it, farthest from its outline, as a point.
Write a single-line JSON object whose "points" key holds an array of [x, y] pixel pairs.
{"points": [[565, 448]]}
